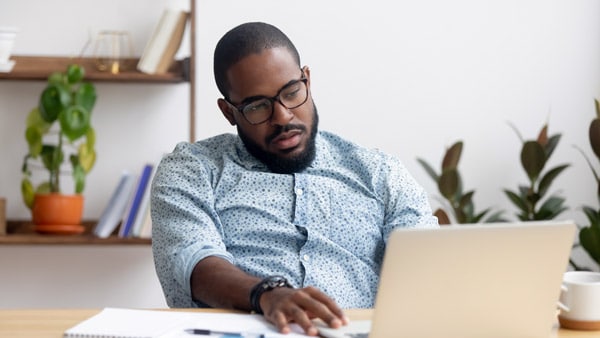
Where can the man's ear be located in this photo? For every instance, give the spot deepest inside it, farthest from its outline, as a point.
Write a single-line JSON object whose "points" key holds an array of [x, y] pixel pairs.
{"points": [[306, 72], [227, 111]]}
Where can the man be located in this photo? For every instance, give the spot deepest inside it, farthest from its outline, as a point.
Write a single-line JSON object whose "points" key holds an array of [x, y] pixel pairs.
{"points": [[283, 220]]}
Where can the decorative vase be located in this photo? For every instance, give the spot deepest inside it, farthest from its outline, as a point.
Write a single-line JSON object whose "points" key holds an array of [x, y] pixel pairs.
{"points": [[58, 214]]}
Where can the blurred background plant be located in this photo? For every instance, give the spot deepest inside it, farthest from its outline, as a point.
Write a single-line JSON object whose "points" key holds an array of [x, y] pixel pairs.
{"points": [[589, 236], [59, 131], [450, 185], [534, 157]]}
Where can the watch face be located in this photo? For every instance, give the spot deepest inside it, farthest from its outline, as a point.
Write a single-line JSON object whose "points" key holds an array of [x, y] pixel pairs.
{"points": [[276, 282]]}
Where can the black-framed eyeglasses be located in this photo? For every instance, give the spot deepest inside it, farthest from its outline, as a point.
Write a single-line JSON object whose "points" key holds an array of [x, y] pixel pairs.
{"points": [[259, 109]]}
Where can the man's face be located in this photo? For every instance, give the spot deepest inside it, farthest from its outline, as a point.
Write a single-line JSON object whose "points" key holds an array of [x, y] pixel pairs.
{"points": [[285, 142]]}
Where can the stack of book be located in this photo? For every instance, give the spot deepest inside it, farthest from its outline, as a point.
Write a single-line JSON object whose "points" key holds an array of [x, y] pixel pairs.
{"points": [[159, 53], [128, 208]]}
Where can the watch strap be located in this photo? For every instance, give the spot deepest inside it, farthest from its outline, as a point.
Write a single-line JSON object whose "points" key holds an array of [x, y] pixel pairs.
{"points": [[265, 285]]}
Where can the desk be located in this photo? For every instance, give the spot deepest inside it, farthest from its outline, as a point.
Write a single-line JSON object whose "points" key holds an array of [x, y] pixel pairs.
{"points": [[51, 323]]}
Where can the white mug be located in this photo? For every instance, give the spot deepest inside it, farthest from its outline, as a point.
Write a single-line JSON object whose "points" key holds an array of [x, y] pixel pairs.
{"points": [[580, 301]]}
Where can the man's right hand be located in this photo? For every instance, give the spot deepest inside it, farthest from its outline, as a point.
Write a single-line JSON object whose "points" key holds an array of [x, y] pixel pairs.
{"points": [[282, 306], [218, 283]]}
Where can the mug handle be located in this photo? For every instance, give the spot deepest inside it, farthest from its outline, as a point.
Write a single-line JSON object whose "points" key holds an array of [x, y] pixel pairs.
{"points": [[561, 305]]}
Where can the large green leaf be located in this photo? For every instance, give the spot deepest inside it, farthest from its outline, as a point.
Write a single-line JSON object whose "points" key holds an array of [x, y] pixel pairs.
{"points": [[75, 73], [57, 78], [452, 156], [461, 217], [34, 141], [448, 184], [27, 192], [552, 143], [90, 137], [548, 178], [533, 159], [52, 157], [74, 121], [85, 96], [86, 157], [34, 119], [53, 100], [592, 215], [516, 200], [78, 175], [551, 208], [589, 238], [595, 137]]}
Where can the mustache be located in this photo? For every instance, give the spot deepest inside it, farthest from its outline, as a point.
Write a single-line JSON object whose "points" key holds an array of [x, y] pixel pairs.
{"points": [[282, 129]]}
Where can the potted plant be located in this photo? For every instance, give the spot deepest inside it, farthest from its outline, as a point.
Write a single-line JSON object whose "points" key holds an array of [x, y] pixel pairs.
{"points": [[534, 157], [450, 185], [589, 236], [60, 140]]}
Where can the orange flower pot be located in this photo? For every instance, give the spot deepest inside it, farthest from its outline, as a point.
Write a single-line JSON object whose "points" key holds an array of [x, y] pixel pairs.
{"points": [[58, 213]]}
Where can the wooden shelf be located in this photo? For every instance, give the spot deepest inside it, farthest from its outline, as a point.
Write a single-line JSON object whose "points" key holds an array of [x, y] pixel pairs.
{"points": [[22, 233], [39, 67]]}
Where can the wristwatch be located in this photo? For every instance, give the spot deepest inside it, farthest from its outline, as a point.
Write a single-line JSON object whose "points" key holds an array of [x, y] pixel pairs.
{"points": [[265, 285]]}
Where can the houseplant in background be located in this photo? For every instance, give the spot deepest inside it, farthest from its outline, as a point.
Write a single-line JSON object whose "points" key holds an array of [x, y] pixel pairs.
{"points": [[534, 157], [449, 184], [589, 236], [59, 135]]}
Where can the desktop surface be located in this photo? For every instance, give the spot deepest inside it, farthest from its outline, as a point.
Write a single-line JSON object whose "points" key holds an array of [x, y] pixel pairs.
{"points": [[51, 323]]}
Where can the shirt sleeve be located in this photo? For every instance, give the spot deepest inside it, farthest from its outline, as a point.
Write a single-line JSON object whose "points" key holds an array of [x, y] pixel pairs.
{"points": [[185, 225], [406, 201]]}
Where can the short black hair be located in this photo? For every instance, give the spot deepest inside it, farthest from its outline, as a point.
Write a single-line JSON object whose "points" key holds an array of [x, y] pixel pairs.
{"points": [[243, 40]]}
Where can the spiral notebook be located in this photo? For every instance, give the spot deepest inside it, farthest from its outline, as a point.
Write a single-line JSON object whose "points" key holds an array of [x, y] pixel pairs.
{"points": [[115, 322]]}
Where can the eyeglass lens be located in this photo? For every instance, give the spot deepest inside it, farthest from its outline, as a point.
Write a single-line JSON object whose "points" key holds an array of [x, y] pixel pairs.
{"points": [[291, 96]]}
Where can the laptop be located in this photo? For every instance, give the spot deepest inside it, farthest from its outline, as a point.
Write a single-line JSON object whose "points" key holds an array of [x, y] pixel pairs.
{"points": [[484, 280]]}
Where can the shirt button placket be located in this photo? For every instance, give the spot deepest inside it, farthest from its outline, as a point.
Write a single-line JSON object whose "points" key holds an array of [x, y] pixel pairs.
{"points": [[300, 210]]}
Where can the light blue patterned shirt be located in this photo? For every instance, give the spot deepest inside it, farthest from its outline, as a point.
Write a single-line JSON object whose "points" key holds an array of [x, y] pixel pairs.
{"points": [[325, 226]]}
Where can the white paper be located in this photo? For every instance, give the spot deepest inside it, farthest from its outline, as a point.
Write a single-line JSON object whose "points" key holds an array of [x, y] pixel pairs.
{"points": [[132, 323]]}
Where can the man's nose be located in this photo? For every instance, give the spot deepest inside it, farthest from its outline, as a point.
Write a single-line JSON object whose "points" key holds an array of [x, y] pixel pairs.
{"points": [[281, 115]]}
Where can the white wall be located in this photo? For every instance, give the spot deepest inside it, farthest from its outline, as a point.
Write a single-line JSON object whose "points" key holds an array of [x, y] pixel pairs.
{"points": [[47, 276], [408, 77]]}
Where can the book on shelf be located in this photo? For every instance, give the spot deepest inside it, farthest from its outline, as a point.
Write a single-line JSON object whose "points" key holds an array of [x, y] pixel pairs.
{"points": [[146, 228], [135, 201], [144, 208], [112, 214], [159, 53]]}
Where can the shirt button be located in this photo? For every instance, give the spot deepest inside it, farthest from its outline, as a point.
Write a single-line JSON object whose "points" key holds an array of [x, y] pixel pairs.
{"points": [[299, 191], [306, 258]]}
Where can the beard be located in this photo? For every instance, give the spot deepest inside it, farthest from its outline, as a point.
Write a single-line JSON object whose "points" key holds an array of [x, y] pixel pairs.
{"points": [[285, 165]]}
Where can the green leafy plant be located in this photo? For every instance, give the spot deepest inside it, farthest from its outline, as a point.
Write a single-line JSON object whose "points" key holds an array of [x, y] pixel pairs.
{"points": [[534, 157], [589, 236], [450, 185], [58, 130]]}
